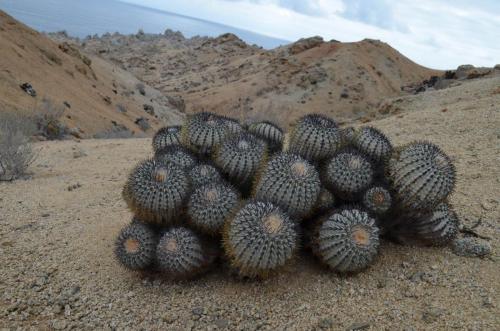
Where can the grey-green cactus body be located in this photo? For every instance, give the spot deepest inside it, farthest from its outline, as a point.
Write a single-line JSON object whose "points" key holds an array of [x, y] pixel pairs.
{"points": [[167, 136], [260, 239], [203, 132], [315, 137], [347, 240], [290, 182], [326, 201], [135, 246], [211, 205], [347, 136], [181, 253], [156, 191], [373, 143], [178, 155], [202, 174], [271, 133], [421, 176], [436, 228], [377, 200], [233, 124], [240, 157], [348, 174]]}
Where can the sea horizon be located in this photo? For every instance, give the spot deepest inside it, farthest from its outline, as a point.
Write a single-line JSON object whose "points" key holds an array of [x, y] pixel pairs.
{"points": [[82, 18]]}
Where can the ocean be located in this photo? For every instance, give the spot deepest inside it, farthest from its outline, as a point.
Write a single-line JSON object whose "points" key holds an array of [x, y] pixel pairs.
{"points": [[80, 18]]}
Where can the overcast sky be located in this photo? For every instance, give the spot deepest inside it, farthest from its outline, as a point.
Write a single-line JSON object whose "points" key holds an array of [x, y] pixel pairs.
{"points": [[439, 34]]}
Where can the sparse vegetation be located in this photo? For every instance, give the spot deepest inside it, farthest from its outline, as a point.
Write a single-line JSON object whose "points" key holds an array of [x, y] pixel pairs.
{"points": [[16, 152], [47, 119]]}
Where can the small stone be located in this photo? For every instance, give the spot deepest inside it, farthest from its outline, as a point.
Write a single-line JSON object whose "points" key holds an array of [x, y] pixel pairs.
{"points": [[45, 215], [358, 326], [169, 318], [59, 324], [221, 323], [486, 205], [471, 247], [488, 302], [431, 314], [79, 153], [325, 324], [197, 311], [417, 276]]}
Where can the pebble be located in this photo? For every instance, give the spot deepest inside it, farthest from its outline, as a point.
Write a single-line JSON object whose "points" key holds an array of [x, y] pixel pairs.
{"points": [[431, 314], [486, 205], [79, 153], [358, 326], [471, 247], [221, 323]]}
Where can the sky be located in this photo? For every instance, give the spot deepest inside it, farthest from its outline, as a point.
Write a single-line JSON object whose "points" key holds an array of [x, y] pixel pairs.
{"points": [[440, 34]]}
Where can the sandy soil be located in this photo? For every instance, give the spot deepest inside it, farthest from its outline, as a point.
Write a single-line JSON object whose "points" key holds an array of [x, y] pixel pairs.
{"points": [[57, 231]]}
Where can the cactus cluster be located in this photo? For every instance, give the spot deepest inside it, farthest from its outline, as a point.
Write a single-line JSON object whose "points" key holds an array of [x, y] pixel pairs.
{"points": [[217, 189]]}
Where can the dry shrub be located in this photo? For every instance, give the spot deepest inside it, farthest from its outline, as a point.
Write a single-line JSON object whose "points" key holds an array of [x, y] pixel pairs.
{"points": [[16, 152], [47, 118]]}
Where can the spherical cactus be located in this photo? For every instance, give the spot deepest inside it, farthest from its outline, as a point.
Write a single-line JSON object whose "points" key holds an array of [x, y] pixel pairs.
{"points": [[203, 131], [260, 239], [178, 155], [325, 202], [348, 174], [181, 253], [421, 176], [377, 200], [202, 174], [156, 191], [315, 137], [135, 246], [290, 182], [347, 240], [373, 143], [436, 228], [167, 136], [233, 124], [270, 133], [240, 156], [211, 205]]}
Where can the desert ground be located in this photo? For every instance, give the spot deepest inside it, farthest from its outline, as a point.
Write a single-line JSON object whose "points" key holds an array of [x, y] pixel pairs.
{"points": [[57, 231]]}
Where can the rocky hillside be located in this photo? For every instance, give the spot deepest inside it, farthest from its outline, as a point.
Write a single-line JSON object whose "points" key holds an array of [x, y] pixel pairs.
{"points": [[225, 75], [98, 98]]}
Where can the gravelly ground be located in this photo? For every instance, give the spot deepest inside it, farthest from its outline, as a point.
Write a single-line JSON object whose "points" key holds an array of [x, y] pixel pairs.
{"points": [[57, 231]]}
